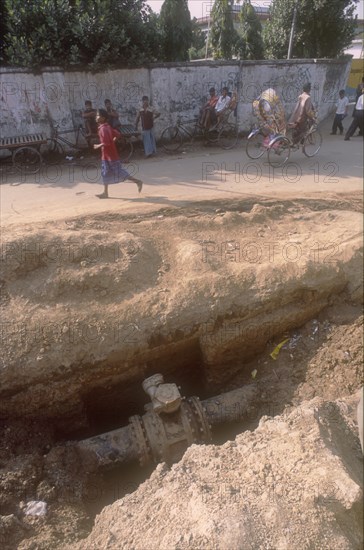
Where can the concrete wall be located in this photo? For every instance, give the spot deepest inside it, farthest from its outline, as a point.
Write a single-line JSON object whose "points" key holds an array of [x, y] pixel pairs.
{"points": [[31, 102]]}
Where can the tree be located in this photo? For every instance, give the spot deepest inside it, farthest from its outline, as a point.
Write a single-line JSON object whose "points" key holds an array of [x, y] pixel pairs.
{"points": [[198, 44], [176, 30], [223, 36], [39, 32], [250, 45], [97, 33], [324, 28]]}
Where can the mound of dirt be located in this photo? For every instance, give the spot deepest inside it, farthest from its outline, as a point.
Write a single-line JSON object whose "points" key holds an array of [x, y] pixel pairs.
{"points": [[90, 301], [294, 483]]}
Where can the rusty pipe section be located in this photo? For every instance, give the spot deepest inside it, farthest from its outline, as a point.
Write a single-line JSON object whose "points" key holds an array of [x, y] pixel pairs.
{"points": [[170, 424]]}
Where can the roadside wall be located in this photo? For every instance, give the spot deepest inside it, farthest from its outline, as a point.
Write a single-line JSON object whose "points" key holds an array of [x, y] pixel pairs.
{"points": [[30, 103]]}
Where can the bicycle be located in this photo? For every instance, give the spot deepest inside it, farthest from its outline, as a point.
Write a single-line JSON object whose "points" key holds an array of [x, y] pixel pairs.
{"points": [[223, 133], [56, 150], [280, 146]]}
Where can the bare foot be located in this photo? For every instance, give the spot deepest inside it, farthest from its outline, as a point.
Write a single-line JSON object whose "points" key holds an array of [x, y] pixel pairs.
{"points": [[103, 196]]}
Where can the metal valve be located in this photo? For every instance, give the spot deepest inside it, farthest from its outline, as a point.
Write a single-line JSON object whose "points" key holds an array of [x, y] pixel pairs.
{"points": [[169, 425], [164, 397]]}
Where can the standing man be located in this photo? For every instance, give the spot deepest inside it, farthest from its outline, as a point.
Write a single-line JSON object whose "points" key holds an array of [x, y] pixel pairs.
{"points": [[113, 115], [89, 115], [341, 112], [358, 118], [302, 114], [147, 115]]}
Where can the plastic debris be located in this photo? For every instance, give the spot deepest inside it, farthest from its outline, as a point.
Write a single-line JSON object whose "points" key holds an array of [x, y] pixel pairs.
{"points": [[294, 341], [254, 373], [278, 348], [36, 508]]}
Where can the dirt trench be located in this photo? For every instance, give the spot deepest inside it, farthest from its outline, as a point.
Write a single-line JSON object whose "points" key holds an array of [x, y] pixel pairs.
{"points": [[94, 305]]}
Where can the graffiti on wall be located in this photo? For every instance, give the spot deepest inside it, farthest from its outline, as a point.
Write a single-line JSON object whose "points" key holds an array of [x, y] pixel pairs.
{"points": [[31, 103]]}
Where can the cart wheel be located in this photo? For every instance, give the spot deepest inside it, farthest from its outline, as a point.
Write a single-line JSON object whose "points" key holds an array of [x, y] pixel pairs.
{"points": [[279, 151], [27, 159], [125, 148], [255, 146], [312, 144], [212, 136], [171, 139], [54, 153], [228, 136]]}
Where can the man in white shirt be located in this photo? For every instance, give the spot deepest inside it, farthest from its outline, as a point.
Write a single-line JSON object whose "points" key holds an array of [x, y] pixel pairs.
{"points": [[341, 112], [358, 118], [222, 103]]}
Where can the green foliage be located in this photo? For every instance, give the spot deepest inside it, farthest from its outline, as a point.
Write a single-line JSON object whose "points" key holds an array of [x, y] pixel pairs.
{"points": [[324, 28], [98, 33], [39, 31], [176, 30], [250, 44], [198, 45], [223, 36]]}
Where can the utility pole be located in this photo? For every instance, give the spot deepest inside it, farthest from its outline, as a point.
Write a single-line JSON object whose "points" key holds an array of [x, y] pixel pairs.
{"points": [[290, 45], [208, 34]]}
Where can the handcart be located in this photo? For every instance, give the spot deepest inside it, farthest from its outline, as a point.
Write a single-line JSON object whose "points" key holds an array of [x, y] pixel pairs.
{"points": [[25, 151]]}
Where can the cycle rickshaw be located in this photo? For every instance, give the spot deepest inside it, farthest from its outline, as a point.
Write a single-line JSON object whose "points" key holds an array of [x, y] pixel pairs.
{"points": [[271, 134]]}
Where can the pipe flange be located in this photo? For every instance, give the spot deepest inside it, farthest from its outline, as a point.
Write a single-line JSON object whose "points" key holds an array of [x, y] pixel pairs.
{"points": [[143, 448], [201, 419]]}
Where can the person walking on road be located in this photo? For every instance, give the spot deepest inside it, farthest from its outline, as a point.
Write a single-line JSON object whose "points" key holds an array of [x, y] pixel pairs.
{"points": [[111, 168], [341, 112], [358, 118]]}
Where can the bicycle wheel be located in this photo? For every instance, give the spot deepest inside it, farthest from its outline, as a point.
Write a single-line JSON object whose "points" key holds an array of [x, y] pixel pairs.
{"points": [[55, 152], [228, 136], [279, 151], [125, 148], [255, 146], [171, 139], [312, 143], [27, 159]]}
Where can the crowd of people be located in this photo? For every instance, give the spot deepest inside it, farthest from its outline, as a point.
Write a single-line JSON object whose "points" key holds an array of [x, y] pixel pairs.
{"points": [[105, 124]]}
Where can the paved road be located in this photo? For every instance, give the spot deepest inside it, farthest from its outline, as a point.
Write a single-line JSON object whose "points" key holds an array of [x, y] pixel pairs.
{"points": [[172, 181]]}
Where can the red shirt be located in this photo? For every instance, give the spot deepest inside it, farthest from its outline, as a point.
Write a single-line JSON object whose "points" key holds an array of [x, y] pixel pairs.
{"points": [[106, 135]]}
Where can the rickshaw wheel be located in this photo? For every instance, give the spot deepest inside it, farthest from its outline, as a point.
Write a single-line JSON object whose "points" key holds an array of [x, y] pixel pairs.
{"points": [[228, 136], [55, 153], [255, 147], [27, 159], [312, 144], [279, 151], [171, 139], [125, 148]]}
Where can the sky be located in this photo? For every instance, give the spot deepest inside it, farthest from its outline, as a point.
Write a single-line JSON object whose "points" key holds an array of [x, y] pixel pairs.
{"points": [[202, 8]]}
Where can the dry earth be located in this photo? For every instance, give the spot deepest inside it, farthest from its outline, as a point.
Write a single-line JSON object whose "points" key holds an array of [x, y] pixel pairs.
{"points": [[93, 303]]}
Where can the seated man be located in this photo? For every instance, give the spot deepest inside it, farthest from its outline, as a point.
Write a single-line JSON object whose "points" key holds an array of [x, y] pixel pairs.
{"points": [[302, 114], [112, 114], [207, 111], [89, 115], [222, 104]]}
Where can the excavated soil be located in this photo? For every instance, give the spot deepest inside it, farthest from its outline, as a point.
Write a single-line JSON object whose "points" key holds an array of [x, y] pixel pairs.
{"points": [[203, 294]]}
